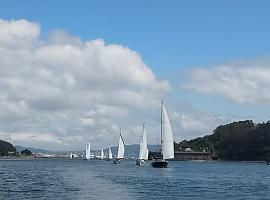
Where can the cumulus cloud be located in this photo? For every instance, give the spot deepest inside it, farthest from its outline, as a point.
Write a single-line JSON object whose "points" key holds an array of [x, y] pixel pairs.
{"points": [[240, 82], [18, 33], [190, 125], [12, 109], [63, 89]]}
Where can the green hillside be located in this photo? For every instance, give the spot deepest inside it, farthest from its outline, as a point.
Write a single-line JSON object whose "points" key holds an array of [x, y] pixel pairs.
{"points": [[241, 140], [6, 148]]}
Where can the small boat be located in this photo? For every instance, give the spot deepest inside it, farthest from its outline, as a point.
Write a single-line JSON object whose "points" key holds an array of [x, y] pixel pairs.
{"points": [[167, 146], [102, 154], [87, 152], [109, 154], [72, 155], [121, 150], [140, 162], [143, 154], [116, 161]]}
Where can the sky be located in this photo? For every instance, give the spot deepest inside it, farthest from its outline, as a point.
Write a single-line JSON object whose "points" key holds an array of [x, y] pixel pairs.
{"points": [[73, 71]]}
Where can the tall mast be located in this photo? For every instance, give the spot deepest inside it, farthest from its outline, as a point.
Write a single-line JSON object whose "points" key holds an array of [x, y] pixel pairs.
{"points": [[161, 127]]}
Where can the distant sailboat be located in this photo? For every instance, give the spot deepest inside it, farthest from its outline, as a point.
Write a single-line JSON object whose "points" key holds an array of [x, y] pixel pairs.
{"points": [[167, 147], [71, 155], [87, 152], [109, 154], [121, 150], [143, 154], [102, 154]]}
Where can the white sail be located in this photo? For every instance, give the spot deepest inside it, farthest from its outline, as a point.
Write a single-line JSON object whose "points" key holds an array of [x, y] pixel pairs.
{"points": [[143, 146], [121, 147], [167, 146], [102, 154], [87, 151], [110, 153], [89, 154]]}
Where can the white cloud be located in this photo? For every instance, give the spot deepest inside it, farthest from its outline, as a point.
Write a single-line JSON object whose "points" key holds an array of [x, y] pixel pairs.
{"points": [[190, 125], [47, 87], [12, 109], [87, 121], [30, 139], [18, 33], [241, 82]]}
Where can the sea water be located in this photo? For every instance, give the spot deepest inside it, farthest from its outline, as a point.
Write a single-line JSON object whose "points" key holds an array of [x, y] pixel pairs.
{"points": [[64, 179]]}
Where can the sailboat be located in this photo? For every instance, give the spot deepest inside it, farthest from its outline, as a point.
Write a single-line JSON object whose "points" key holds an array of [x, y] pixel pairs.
{"points": [[109, 154], [121, 150], [167, 147], [87, 152], [102, 154], [143, 155]]}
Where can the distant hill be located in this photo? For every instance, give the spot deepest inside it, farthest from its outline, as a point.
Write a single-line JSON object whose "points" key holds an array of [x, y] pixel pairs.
{"points": [[6, 148], [130, 150], [243, 141], [33, 150]]}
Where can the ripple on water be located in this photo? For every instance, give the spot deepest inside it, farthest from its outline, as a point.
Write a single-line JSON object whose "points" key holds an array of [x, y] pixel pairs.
{"points": [[74, 179]]}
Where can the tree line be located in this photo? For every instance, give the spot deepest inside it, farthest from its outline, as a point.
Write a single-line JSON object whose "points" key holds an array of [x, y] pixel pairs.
{"points": [[242, 141], [7, 149]]}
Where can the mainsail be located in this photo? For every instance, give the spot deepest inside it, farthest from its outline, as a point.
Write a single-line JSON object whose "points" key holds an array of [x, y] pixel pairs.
{"points": [[121, 147], [143, 155], [87, 151], [102, 154], [167, 146], [110, 153]]}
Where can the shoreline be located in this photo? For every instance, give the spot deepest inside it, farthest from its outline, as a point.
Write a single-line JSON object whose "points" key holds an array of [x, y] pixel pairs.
{"points": [[199, 161]]}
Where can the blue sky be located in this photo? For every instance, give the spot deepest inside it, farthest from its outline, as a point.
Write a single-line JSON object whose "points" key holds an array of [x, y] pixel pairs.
{"points": [[174, 34], [210, 52]]}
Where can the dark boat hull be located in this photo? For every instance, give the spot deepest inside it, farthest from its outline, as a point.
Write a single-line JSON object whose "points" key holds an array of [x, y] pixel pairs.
{"points": [[160, 163], [116, 161]]}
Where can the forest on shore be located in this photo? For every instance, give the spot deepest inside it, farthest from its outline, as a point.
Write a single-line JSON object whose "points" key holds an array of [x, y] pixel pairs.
{"points": [[7, 148], [239, 141]]}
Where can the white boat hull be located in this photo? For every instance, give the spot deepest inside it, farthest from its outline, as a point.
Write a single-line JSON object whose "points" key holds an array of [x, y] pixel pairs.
{"points": [[140, 162]]}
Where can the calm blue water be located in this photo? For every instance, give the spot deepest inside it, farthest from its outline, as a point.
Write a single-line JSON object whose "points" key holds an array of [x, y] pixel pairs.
{"points": [[76, 179]]}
